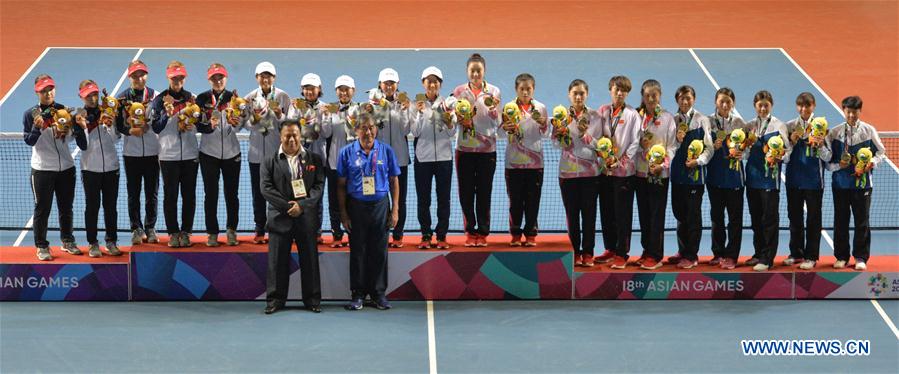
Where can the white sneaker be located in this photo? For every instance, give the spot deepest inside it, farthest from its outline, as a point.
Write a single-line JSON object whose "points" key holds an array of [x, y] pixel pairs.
{"points": [[840, 264], [808, 265], [790, 261], [860, 265], [760, 267], [94, 251], [43, 254]]}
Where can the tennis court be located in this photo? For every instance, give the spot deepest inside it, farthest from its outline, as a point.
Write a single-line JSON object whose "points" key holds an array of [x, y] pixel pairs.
{"points": [[445, 336]]}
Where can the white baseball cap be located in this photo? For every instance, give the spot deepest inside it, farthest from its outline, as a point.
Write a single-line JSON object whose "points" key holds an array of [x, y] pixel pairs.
{"points": [[311, 79], [388, 75], [345, 80], [265, 67], [432, 70]]}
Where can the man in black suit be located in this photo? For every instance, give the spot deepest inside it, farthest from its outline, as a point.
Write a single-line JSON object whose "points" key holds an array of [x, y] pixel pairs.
{"points": [[292, 182]]}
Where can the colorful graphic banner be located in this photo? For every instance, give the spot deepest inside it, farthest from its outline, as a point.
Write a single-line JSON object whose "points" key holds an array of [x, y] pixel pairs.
{"points": [[412, 275], [635, 286], [480, 275], [57, 282], [847, 285]]}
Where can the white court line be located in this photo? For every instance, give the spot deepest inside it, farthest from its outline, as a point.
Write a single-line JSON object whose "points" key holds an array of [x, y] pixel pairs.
{"points": [[824, 233], [432, 341], [885, 317], [826, 96], [30, 222], [24, 232], [709, 75], [876, 305], [426, 49], [118, 84], [25, 74]]}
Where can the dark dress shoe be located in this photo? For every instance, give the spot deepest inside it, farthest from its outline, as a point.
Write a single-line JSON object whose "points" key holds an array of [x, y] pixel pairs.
{"points": [[314, 308], [272, 308]]}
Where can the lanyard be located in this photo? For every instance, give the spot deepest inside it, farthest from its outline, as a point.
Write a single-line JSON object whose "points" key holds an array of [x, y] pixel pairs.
{"points": [[296, 172], [374, 161], [689, 119], [847, 137], [614, 124], [46, 112], [647, 118], [525, 107], [216, 100], [764, 126], [483, 90], [718, 121], [146, 94], [575, 114], [270, 96]]}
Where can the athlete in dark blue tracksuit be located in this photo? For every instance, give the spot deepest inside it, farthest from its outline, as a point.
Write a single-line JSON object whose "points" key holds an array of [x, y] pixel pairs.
{"points": [[724, 181], [851, 192], [805, 187], [763, 183]]}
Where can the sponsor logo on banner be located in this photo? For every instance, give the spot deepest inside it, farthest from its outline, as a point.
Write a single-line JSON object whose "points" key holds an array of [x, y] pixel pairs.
{"points": [[879, 284]]}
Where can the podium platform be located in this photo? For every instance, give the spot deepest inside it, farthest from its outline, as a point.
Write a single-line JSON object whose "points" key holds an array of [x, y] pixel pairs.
{"points": [[495, 272]]}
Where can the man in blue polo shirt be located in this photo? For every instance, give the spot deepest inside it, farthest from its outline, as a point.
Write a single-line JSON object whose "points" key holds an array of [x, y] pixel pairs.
{"points": [[367, 170]]}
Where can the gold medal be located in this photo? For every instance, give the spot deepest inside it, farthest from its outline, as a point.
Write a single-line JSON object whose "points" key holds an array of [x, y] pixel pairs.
{"points": [[300, 104], [721, 135]]}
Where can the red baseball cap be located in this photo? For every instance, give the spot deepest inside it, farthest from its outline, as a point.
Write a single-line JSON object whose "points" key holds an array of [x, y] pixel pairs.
{"points": [[216, 70], [44, 83], [87, 90], [175, 71], [137, 67]]}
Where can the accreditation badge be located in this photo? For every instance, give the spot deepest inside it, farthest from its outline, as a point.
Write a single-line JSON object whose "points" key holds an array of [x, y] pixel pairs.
{"points": [[299, 188], [368, 186]]}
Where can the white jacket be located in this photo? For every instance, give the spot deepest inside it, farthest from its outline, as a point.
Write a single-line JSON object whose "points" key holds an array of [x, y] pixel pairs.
{"points": [[221, 142], [664, 133], [394, 129], [433, 140], [625, 135], [264, 136], [578, 159], [335, 131], [312, 132], [174, 145], [47, 152], [100, 155], [526, 152], [485, 121], [146, 144]]}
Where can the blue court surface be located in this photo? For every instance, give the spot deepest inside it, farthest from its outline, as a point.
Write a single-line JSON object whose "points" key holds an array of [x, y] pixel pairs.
{"points": [[497, 336], [468, 337]]}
